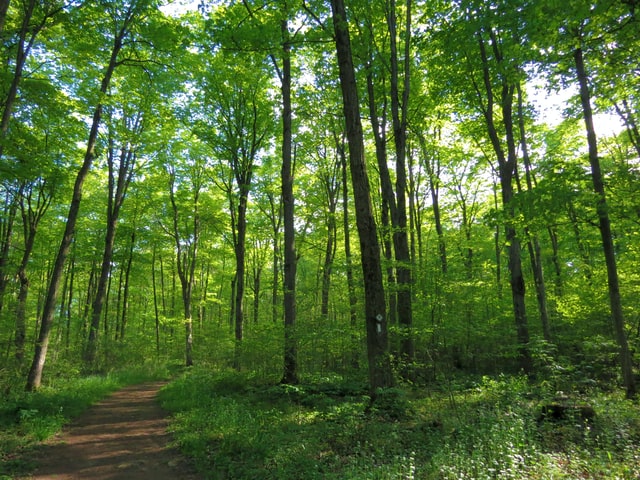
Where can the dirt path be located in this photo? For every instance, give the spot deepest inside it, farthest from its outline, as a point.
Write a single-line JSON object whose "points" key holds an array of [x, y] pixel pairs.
{"points": [[122, 437]]}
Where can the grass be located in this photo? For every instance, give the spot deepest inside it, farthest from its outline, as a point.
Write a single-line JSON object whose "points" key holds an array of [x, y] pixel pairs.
{"points": [[239, 427], [29, 418]]}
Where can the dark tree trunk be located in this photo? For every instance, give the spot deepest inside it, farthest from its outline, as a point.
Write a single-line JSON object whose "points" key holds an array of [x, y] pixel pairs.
{"points": [[127, 284], [155, 300], [4, 8], [290, 370], [7, 221], [388, 208], [353, 299], [380, 374], [275, 214], [399, 108], [615, 301]]}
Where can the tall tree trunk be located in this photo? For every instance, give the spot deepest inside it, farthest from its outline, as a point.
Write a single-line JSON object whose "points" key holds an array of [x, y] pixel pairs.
{"points": [[533, 243], [290, 373], [257, 274], [32, 212], [240, 253], [275, 214], [186, 245], [331, 186], [34, 378], [388, 208], [155, 300], [506, 170], [399, 108], [118, 185], [7, 221], [23, 47], [432, 165], [380, 374], [26, 39], [605, 229], [127, 284], [353, 299]]}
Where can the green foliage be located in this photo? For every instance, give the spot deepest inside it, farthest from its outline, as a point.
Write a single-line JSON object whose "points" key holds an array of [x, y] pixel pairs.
{"points": [[237, 426]]}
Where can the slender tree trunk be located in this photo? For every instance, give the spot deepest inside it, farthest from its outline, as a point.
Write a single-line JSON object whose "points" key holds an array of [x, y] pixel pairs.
{"points": [[34, 378], [276, 216], [7, 221], [257, 274], [506, 170], [186, 255], [615, 301], [353, 299], [533, 243], [497, 242], [23, 48], [332, 190], [432, 165], [399, 108], [127, 284], [155, 300], [118, 184], [380, 374], [290, 373], [31, 216], [627, 116], [388, 208], [240, 252]]}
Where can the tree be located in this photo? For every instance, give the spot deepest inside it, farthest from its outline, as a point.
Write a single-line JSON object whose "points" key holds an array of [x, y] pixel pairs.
{"points": [[613, 282], [121, 162], [123, 19], [380, 375], [235, 128], [185, 231]]}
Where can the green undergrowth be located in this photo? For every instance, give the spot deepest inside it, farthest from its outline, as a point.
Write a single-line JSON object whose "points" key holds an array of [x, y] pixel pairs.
{"points": [[29, 418], [236, 426]]}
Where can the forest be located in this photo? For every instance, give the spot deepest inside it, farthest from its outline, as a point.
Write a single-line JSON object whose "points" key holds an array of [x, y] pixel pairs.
{"points": [[392, 226]]}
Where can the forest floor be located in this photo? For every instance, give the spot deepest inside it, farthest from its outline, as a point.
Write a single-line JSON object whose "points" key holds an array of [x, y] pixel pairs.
{"points": [[122, 437]]}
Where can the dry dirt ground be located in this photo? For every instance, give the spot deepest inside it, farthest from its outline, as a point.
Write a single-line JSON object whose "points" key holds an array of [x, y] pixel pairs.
{"points": [[123, 437]]}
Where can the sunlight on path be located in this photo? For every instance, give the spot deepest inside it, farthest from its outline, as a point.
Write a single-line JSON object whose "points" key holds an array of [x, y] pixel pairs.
{"points": [[122, 437]]}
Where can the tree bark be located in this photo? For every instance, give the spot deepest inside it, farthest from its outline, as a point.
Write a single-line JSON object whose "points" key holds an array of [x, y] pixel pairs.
{"points": [[290, 373], [380, 374], [399, 108], [613, 282], [388, 208]]}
